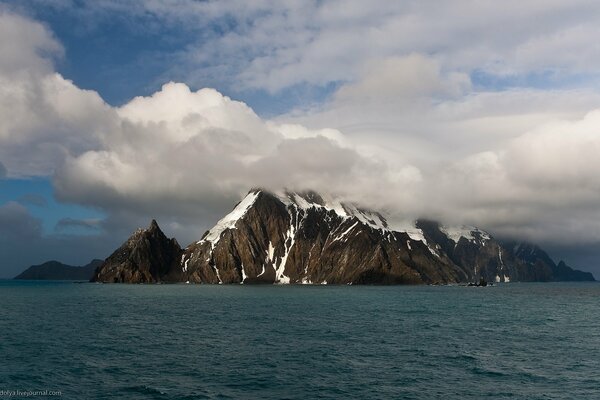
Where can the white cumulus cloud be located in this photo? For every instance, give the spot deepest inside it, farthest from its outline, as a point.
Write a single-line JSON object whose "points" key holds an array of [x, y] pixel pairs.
{"points": [[405, 130]]}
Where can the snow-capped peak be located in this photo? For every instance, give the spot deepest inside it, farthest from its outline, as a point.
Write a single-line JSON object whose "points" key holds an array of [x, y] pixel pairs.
{"points": [[229, 221], [309, 199], [312, 200], [375, 220]]}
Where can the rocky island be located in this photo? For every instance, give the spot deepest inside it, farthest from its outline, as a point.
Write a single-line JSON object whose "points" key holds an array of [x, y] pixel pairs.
{"points": [[54, 270], [306, 238]]}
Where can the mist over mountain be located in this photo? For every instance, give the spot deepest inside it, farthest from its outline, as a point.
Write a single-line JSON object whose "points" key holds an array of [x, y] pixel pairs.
{"points": [[306, 238]]}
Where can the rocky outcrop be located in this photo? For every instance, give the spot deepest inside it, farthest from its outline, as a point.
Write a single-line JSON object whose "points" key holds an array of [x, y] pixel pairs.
{"points": [[147, 256], [540, 267], [307, 238], [54, 270], [299, 238]]}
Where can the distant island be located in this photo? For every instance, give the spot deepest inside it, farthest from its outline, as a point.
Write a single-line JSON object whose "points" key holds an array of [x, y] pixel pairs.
{"points": [[54, 270], [307, 238]]}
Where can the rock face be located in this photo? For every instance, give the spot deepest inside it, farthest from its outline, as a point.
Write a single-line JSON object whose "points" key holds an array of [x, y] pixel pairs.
{"points": [[54, 270], [540, 267], [495, 261], [306, 238], [147, 256], [300, 238]]}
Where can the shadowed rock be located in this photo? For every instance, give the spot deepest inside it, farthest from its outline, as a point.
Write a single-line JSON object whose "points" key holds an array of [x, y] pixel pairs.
{"points": [[54, 270], [308, 238], [147, 256]]}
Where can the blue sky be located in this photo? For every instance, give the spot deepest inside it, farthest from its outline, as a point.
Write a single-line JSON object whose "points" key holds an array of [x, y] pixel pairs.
{"points": [[37, 195], [123, 55], [414, 107]]}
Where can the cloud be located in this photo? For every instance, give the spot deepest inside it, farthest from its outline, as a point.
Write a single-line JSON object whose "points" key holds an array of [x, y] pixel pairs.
{"points": [[25, 43], [519, 162], [541, 184], [16, 222], [404, 79], [2, 171], [559, 154], [315, 43], [43, 116], [46, 118], [274, 45], [409, 131], [198, 158], [66, 224]]}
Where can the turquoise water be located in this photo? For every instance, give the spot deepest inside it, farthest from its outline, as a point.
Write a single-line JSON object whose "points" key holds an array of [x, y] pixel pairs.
{"points": [[92, 341]]}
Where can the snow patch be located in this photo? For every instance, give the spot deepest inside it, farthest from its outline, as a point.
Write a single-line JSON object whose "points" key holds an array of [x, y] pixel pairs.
{"points": [[302, 203], [372, 219], [470, 233], [218, 275], [183, 263], [229, 221], [408, 227], [341, 236], [348, 210], [454, 233], [244, 276], [433, 251], [288, 243], [262, 272], [270, 251], [416, 234], [335, 205]]}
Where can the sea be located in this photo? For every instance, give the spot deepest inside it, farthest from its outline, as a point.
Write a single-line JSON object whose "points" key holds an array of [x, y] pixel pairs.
{"points": [[67, 340]]}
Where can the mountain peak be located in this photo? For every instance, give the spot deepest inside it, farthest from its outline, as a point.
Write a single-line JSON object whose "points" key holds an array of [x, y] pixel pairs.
{"points": [[306, 237], [147, 256], [154, 226]]}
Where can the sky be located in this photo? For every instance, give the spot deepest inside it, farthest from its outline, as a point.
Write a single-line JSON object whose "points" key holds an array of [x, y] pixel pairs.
{"points": [[471, 112]]}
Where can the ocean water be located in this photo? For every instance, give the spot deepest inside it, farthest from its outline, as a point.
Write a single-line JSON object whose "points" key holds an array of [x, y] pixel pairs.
{"points": [[93, 341]]}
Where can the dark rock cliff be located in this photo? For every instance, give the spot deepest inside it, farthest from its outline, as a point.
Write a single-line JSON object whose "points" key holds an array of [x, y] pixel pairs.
{"points": [[147, 256], [304, 238], [298, 240]]}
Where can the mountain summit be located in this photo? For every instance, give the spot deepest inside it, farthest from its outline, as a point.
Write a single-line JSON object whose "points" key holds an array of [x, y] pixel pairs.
{"points": [[304, 237], [147, 256]]}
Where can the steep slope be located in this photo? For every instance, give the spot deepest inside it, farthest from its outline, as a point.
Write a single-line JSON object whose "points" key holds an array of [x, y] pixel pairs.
{"points": [[480, 255], [540, 267], [54, 270], [306, 238], [147, 256], [302, 238]]}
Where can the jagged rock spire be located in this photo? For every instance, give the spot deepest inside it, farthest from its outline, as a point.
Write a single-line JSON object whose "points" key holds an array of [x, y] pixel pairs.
{"points": [[147, 256]]}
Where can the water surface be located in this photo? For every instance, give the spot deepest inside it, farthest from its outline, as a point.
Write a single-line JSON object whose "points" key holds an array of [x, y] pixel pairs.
{"points": [[93, 341]]}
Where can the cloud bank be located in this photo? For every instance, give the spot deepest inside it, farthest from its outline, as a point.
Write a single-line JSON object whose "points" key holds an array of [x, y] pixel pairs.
{"points": [[408, 131]]}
